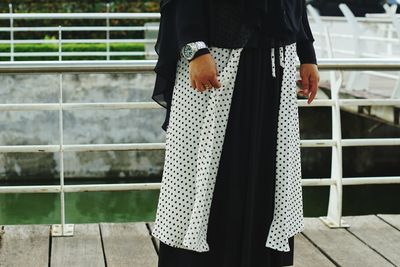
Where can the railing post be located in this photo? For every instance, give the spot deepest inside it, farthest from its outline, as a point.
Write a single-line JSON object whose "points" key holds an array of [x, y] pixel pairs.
{"points": [[108, 31], [11, 32], [59, 43], [62, 229], [334, 217]]}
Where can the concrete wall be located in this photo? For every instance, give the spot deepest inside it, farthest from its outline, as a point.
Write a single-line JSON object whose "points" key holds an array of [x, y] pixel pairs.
{"points": [[80, 127]]}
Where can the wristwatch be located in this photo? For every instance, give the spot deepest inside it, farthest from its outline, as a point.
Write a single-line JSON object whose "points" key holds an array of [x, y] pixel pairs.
{"points": [[190, 49]]}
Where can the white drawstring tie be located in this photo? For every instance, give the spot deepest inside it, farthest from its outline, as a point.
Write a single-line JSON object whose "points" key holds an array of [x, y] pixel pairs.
{"points": [[281, 59]]}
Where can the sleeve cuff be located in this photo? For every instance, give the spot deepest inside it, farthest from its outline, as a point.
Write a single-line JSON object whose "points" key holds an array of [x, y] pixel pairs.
{"points": [[190, 22], [306, 52]]}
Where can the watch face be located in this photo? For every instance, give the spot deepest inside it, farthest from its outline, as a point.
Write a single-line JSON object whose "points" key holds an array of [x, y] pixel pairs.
{"points": [[188, 51]]}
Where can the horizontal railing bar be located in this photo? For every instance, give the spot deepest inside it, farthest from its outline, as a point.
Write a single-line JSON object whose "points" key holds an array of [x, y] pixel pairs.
{"points": [[359, 64], [148, 15], [79, 28], [30, 189], [77, 54], [161, 146], [29, 107], [114, 147], [30, 149], [369, 102], [111, 187], [79, 188], [371, 180], [371, 142], [81, 148], [351, 142], [136, 15], [358, 19], [78, 66], [156, 186], [350, 36], [316, 103], [154, 105], [148, 65], [317, 143], [73, 41], [349, 102], [79, 106]]}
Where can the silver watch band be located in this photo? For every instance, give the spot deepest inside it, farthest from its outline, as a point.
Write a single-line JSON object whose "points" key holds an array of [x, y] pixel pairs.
{"points": [[190, 49], [200, 45]]}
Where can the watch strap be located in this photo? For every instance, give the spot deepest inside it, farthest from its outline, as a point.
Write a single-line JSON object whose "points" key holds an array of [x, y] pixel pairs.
{"points": [[200, 52]]}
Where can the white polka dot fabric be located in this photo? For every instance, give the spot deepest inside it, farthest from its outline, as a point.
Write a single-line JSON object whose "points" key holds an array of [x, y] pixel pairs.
{"points": [[194, 140], [288, 210]]}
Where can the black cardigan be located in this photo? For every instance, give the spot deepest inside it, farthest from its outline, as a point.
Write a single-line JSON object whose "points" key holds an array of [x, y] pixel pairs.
{"points": [[184, 21]]}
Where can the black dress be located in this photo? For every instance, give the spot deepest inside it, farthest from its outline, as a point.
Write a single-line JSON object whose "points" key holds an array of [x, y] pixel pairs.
{"points": [[243, 199], [245, 183]]}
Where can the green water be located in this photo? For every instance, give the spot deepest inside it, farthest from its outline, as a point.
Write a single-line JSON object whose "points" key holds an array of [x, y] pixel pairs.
{"points": [[86, 207], [131, 206]]}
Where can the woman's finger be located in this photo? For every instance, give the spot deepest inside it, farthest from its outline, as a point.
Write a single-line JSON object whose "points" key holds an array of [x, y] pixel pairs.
{"points": [[193, 82], [207, 85], [199, 86], [215, 82], [313, 90]]}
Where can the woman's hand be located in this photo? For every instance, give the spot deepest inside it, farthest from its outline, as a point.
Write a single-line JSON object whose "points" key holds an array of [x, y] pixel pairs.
{"points": [[203, 71], [309, 80]]}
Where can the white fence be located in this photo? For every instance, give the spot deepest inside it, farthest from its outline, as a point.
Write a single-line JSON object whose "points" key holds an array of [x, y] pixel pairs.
{"points": [[336, 181], [372, 36], [108, 29], [376, 35]]}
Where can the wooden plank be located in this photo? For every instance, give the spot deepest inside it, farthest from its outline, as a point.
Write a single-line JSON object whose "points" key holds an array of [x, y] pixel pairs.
{"points": [[392, 219], [379, 235], [155, 240], [128, 244], [307, 255], [341, 246], [25, 245], [82, 249]]}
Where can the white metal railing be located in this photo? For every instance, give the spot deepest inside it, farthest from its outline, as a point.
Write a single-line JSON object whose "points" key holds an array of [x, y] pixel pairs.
{"points": [[12, 29], [381, 32], [336, 181], [375, 35]]}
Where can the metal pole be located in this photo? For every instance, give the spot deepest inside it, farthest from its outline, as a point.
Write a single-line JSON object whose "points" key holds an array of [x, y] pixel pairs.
{"points": [[63, 229], [59, 43], [61, 154], [108, 31], [11, 33], [334, 216]]}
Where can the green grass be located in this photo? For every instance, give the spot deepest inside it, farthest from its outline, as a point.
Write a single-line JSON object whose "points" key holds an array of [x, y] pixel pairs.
{"points": [[78, 47]]}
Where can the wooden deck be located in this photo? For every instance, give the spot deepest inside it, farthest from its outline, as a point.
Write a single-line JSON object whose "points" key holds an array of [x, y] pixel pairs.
{"points": [[371, 240]]}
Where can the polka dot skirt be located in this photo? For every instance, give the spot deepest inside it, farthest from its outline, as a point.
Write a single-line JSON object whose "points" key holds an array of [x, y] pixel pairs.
{"points": [[194, 140], [288, 210]]}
